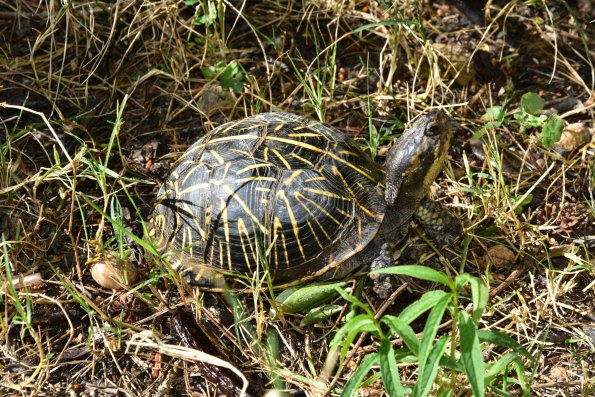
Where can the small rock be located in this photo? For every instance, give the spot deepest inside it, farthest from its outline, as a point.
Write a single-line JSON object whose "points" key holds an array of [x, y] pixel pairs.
{"points": [[573, 137], [108, 271], [499, 257]]}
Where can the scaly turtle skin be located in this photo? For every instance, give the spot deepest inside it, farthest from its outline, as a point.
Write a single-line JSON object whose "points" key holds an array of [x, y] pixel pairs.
{"points": [[282, 193]]}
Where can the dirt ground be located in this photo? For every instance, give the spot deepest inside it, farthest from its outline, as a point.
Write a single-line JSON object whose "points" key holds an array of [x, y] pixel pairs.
{"points": [[98, 100]]}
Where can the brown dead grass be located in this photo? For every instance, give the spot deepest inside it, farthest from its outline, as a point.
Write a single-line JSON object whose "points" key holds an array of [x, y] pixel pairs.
{"points": [[81, 63]]}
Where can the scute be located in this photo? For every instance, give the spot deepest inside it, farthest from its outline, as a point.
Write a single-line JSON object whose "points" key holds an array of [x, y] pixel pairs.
{"points": [[273, 183]]}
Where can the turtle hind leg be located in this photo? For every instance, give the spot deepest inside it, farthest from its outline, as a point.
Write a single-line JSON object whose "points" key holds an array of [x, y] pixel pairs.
{"points": [[441, 225]]}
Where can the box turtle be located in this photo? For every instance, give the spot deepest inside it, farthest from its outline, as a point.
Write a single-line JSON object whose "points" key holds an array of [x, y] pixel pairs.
{"points": [[283, 194]]}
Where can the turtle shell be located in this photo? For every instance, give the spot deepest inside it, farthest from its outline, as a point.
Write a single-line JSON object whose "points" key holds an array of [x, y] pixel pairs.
{"points": [[275, 192]]}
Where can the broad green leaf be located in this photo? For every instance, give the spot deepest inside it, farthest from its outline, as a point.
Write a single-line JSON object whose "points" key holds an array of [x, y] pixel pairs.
{"points": [[429, 372], [401, 328], [358, 376], [480, 296], [389, 369], [319, 314], [431, 329], [418, 271], [420, 306], [552, 131], [471, 354], [295, 300], [531, 103]]}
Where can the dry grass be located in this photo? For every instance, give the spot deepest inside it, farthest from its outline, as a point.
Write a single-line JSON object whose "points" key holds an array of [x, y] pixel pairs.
{"points": [[97, 99]]}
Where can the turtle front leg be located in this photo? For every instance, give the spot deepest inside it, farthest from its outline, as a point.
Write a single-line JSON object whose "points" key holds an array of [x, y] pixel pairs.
{"points": [[441, 226], [383, 284]]}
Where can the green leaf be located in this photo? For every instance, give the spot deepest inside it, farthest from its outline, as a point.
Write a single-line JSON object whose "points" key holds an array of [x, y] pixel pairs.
{"points": [[420, 306], [499, 367], [349, 331], [429, 372], [355, 301], [471, 354], [389, 370], [391, 22], [431, 329], [479, 293], [401, 328], [319, 314], [531, 103], [500, 339], [519, 207], [552, 131], [494, 115], [359, 374], [295, 300], [417, 271]]}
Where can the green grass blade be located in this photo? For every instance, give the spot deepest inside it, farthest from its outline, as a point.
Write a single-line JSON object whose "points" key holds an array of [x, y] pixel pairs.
{"points": [[471, 354]]}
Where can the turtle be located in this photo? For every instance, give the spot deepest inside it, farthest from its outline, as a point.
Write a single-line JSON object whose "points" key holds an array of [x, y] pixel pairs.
{"points": [[283, 196]]}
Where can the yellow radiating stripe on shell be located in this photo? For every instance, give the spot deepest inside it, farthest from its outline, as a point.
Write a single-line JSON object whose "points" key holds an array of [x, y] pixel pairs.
{"points": [[303, 134], [315, 179], [319, 150], [292, 177], [300, 196], [217, 156], [193, 188], [276, 226], [218, 182], [189, 211], [339, 210], [303, 160], [347, 187], [314, 234], [187, 240], [256, 178], [226, 232], [235, 137], [294, 225], [243, 233], [326, 193], [159, 222], [253, 167], [324, 211], [245, 207], [280, 157], [191, 150]]}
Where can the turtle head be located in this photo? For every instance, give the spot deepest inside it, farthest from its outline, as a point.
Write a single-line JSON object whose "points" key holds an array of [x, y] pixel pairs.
{"points": [[416, 160]]}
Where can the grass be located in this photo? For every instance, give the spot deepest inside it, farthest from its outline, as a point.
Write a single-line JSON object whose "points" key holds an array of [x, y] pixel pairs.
{"points": [[97, 103]]}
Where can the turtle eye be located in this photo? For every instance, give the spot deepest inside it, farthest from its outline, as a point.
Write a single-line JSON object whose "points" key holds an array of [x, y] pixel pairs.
{"points": [[434, 129]]}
